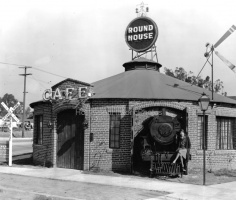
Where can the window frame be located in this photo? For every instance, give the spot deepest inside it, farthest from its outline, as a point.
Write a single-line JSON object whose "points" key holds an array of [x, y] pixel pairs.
{"points": [[200, 132], [113, 130], [38, 129], [229, 133]]}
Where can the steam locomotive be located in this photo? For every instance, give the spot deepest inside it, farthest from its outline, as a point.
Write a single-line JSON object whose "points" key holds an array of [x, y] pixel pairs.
{"points": [[155, 147]]}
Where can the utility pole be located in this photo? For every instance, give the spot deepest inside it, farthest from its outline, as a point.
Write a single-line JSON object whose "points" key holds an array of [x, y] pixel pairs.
{"points": [[23, 121]]}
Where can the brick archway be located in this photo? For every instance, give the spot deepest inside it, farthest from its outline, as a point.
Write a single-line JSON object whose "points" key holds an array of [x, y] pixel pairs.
{"points": [[159, 104], [174, 105], [138, 127], [66, 105]]}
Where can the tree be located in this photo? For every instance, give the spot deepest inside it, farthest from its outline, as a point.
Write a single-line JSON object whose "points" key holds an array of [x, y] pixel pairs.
{"points": [[206, 83], [10, 101], [28, 111]]}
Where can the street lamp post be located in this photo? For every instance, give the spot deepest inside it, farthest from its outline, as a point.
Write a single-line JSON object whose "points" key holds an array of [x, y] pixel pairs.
{"points": [[204, 103]]}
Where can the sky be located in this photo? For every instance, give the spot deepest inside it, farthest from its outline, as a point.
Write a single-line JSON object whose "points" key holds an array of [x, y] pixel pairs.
{"points": [[84, 40]]}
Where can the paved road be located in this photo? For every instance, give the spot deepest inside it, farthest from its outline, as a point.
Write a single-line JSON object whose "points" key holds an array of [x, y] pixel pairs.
{"points": [[32, 188], [21, 147]]}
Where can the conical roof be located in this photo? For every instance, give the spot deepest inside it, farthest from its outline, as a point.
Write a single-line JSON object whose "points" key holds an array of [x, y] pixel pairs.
{"points": [[150, 84]]}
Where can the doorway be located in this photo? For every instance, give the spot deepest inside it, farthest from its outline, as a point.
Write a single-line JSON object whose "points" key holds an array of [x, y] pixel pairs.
{"points": [[70, 140]]}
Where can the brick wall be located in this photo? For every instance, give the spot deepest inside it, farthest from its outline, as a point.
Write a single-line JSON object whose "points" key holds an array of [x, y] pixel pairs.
{"points": [[46, 154], [98, 155], [101, 156], [215, 159], [43, 153]]}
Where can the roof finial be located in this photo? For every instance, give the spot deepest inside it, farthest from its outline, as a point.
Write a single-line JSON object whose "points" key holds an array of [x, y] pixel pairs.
{"points": [[142, 9]]}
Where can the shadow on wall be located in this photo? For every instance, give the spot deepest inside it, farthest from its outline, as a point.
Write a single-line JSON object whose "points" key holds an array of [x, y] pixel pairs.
{"points": [[115, 159], [139, 166], [65, 146], [98, 156]]}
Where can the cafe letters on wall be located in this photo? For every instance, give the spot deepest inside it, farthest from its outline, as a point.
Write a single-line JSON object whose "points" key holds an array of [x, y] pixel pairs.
{"points": [[68, 93]]}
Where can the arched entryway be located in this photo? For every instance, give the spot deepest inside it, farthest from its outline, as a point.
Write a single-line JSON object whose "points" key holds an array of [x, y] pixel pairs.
{"points": [[70, 140], [157, 131]]}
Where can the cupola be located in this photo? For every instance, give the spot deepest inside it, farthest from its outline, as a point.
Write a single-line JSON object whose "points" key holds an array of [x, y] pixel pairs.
{"points": [[142, 64]]}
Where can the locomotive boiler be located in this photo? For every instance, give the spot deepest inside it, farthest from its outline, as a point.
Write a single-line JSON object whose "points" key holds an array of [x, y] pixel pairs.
{"points": [[157, 145]]}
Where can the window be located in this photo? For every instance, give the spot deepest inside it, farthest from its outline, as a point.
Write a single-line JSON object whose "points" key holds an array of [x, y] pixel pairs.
{"points": [[39, 129], [114, 130], [225, 133], [200, 131]]}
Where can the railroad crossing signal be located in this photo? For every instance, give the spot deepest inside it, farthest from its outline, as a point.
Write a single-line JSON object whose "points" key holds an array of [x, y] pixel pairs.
{"points": [[10, 112]]}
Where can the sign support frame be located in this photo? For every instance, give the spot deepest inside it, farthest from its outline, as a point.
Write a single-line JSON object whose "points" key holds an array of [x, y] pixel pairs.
{"points": [[10, 144]]}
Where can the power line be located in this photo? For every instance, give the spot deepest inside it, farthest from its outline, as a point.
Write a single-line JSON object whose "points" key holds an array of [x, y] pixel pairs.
{"points": [[36, 68], [12, 64], [48, 72], [39, 80]]}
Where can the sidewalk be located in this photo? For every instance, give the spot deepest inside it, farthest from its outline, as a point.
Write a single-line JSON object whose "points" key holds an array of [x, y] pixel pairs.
{"points": [[176, 190]]}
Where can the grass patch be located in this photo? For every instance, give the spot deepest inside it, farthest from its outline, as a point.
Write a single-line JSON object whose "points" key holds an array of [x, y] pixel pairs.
{"points": [[225, 172]]}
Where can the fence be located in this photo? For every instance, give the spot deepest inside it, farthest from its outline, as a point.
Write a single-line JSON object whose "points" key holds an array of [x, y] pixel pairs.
{"points": [[4, 151]]}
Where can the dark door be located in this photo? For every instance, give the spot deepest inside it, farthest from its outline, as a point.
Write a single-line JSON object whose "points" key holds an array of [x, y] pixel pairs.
{"points": [[70, 140], [185, 120]]}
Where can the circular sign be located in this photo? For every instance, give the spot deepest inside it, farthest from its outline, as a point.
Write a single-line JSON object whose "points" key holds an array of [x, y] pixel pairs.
{"points": [[141, 34]]}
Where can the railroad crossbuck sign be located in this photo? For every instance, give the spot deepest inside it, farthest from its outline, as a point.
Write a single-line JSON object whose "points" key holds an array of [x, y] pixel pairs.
{"points": [[10, 112]]}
